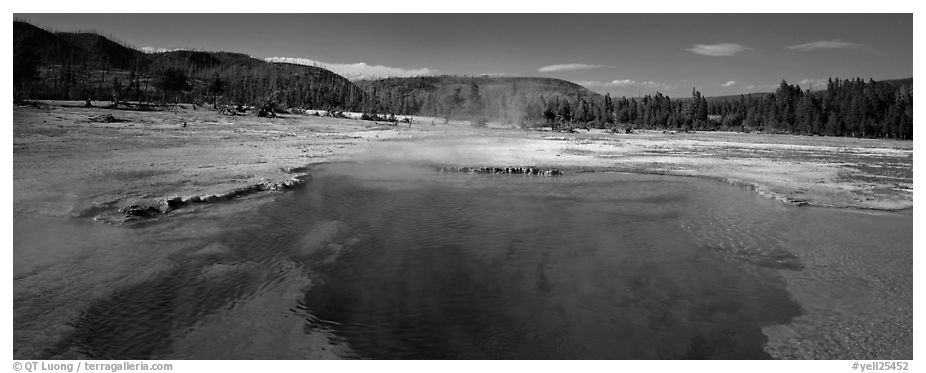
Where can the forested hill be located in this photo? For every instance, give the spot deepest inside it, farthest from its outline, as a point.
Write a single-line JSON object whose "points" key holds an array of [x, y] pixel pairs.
{"points": [[81, 65], [499, 98]]}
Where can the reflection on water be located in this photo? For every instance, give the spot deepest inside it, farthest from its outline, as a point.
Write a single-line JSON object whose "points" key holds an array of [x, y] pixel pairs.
{"points": [[403, 262]]}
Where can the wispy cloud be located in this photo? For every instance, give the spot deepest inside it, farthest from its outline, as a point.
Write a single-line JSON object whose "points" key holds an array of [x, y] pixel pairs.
{"points": [[360, 70], [729, 83], [813, 83], [568, 67], [613, 83], [717, 50], [823, 44], [627, 83]]}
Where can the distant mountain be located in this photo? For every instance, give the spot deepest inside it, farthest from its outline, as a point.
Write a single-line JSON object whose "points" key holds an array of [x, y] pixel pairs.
{"points": [[896, 83], [503, 98], [77, 65]]}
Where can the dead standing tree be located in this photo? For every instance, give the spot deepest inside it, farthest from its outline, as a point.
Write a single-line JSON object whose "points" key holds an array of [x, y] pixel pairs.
{"points": [[216, 89], [116, 92]]}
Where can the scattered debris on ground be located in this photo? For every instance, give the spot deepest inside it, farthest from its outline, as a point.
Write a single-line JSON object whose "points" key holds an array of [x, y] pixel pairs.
{"points": [[107, 118]]}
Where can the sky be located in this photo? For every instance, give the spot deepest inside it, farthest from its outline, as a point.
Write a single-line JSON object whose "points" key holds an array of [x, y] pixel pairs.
{"points": [[622, 54]]}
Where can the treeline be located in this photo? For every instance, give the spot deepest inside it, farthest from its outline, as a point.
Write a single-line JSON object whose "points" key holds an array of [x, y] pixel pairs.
{"points": [[846, 108], [850, 107], [87, 66]]}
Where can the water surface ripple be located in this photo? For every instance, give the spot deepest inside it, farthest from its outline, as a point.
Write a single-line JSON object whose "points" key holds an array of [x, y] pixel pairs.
{"points": [[400, 262]]}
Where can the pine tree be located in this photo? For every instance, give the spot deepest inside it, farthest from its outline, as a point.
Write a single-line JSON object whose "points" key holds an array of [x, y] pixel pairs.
{"points": [[173, 80]]}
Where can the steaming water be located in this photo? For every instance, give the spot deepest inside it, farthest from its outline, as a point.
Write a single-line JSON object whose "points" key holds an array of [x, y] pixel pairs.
{"points": [[404, 262]]}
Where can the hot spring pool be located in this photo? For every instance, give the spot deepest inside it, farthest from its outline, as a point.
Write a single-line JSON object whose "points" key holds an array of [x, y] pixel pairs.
{"points": [[391, 261]]}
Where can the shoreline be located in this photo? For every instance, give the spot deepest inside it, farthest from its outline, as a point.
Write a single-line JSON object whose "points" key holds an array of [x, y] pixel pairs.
{"points": [[164, 206], [66, 164]]}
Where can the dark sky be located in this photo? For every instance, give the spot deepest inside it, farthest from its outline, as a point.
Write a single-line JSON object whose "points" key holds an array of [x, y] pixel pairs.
{"points": [[625, 54]]}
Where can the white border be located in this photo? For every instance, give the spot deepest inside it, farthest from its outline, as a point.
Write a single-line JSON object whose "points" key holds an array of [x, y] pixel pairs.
{"points": [[419, 6]]}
